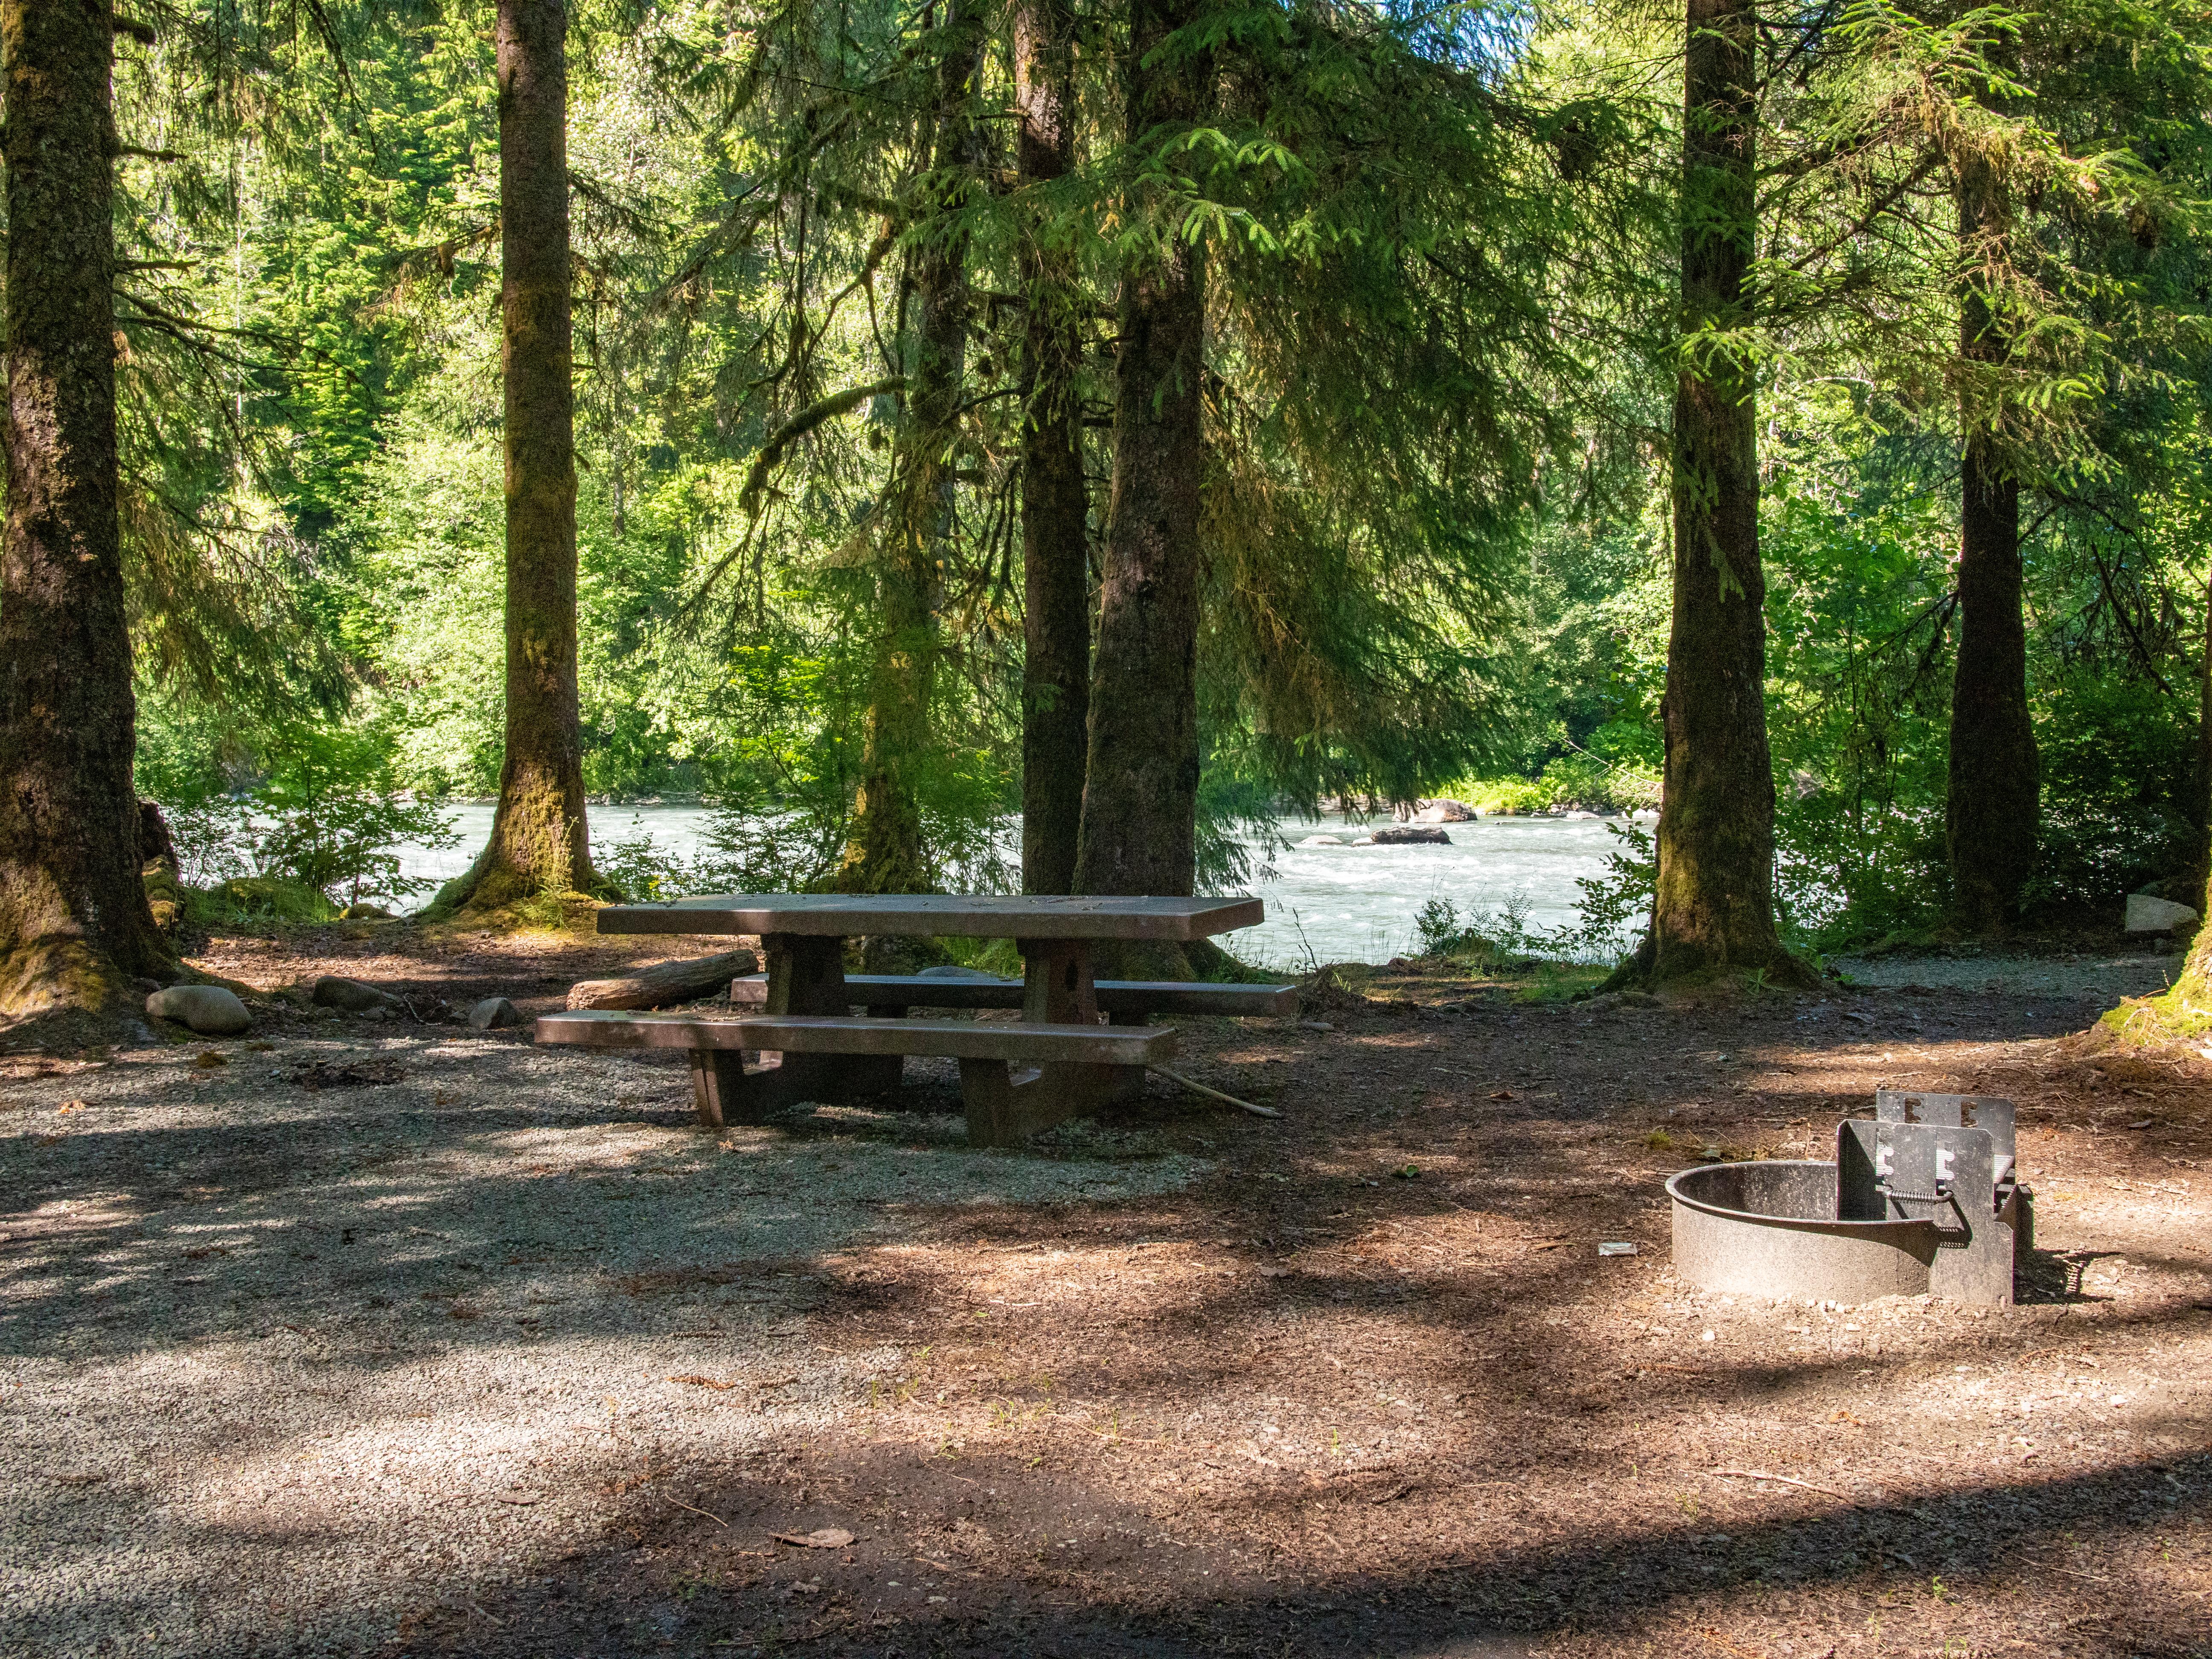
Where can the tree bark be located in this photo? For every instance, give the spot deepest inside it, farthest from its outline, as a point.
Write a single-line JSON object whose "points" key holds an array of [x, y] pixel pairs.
{"points": [[73, 920], [540, 841], [1714, 908], [1055, 512], [1991, 803], [2201, 793], [1141, 795], [887, 853]]}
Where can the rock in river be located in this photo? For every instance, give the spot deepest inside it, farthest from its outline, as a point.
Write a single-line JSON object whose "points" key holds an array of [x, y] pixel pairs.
{"points": [[1409, 835]]}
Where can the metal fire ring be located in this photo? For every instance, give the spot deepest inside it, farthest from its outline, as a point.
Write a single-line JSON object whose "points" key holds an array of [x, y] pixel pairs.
{"points": [[1769, 1228]]}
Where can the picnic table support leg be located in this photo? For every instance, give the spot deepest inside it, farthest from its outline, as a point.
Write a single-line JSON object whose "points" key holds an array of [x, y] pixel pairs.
{"points": [[1056, 983], [1006, 1105], [723, 1092], [806, 975], [1058, 987]]}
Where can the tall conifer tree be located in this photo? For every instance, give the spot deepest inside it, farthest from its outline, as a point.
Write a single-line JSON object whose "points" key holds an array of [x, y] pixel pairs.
{"points": [[887, 854], [73, 920], [540, 842], [1992, 801], [1714, 909], [1140, 792], [1055, 508]]}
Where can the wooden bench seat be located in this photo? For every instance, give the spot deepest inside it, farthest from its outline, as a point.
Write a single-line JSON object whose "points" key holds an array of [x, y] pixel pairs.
{"points": [[1015, 1078], [1124, 1001]]}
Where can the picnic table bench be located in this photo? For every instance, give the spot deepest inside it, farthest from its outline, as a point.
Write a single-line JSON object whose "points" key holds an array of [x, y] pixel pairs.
{"points": [[1123, 1001], [1016, 1077]]}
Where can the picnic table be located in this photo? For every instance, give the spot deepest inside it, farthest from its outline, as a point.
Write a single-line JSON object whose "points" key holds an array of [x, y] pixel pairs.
{"points": [[1016, 1077]]}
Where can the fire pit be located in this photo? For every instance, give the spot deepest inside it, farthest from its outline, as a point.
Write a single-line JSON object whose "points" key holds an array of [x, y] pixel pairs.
{"points": [[1923, 1198]]}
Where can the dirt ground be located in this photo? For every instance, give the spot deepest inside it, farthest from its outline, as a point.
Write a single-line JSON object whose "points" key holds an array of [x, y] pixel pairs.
{"points": [[1363, 1383]]}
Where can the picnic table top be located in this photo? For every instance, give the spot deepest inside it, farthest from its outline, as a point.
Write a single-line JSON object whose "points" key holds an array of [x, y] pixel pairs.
{"points": [[987, 916]]}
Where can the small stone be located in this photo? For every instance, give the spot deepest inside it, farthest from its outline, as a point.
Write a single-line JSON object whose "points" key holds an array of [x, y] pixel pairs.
{"points": [[208, 1009], [365, 913], [495, 1014], [352, 996]]}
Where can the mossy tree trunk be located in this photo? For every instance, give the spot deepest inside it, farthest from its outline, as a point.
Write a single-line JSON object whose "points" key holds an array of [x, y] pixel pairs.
{"points": [[887, 851], [75, 923], [1141, 793], [1992, 801], [540, 841], [2200, 784], [1055, 510], [1714, 908]]}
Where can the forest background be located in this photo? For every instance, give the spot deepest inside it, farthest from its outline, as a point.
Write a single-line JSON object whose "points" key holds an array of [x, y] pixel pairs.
{"points": [[1442, 292]]}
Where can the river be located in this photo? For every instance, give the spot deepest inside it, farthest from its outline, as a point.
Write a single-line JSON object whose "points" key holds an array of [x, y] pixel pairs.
{"points": [[1326, 904]]}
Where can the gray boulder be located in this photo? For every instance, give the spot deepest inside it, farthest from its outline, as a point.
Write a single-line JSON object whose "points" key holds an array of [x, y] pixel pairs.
{"points": [[208, 1009], [351, 996], [1446, 811], [2147, 915], [495, 1014]]}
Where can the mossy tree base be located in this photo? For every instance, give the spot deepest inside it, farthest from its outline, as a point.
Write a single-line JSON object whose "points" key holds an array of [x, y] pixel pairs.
{"points": [[884, 854], [56, 976], [2181, 1013], [1657, 971], [539, 850]]}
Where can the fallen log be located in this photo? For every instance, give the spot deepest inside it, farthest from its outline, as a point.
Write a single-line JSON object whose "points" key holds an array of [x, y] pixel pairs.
{"points": [[663, 983]]}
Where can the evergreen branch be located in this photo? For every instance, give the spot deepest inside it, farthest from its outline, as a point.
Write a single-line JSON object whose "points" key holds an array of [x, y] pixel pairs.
{"points": [[799, 425], [444, 254], [633, 220], [1881, 205], [189, 331]]}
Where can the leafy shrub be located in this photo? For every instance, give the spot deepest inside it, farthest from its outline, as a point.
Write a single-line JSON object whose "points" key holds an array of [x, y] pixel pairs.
{"points": [[773, 852], [256, 899], [1438, 923], [1615, 904], [1504, 795], [1613, 907], [325, 818], [2092, 853], [214, 838], [1578, 778]]}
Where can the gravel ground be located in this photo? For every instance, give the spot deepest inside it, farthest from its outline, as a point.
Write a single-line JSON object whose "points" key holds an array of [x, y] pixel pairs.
{"points": [[2107, 978], [503, 1357], [278, 1364]]}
